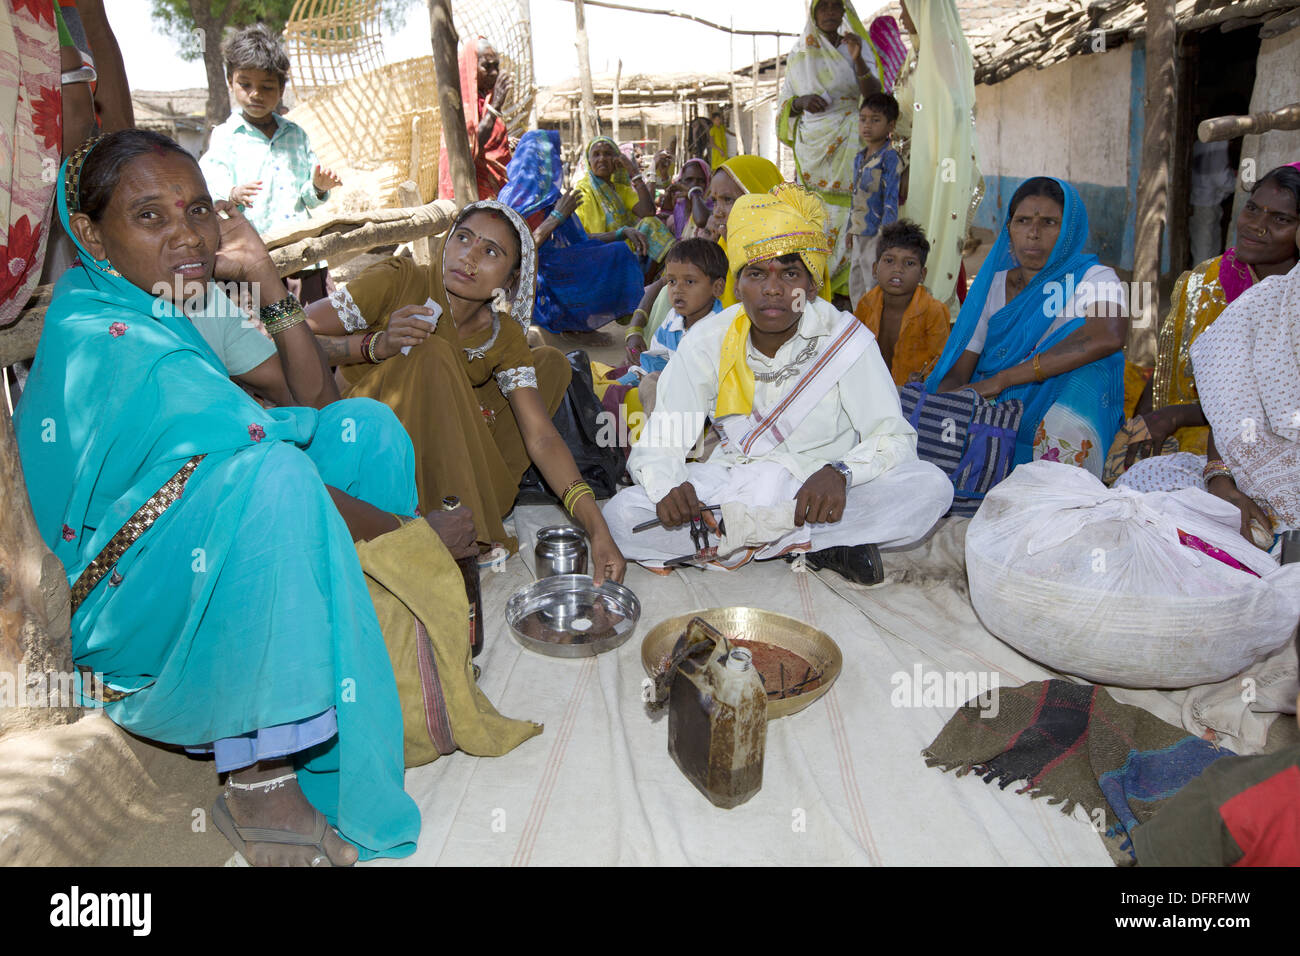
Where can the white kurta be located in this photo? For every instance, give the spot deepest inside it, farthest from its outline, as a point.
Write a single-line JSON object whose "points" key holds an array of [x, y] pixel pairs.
{"points": [[858, 421]]}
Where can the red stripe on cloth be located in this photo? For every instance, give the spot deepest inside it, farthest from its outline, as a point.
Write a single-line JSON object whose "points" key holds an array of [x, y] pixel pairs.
{"points": [[436, 719], [550, 773], [840, 738]]}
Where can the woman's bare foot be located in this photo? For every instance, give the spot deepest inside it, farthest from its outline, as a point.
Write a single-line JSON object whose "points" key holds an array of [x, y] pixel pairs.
{"points": [[281, 806]]}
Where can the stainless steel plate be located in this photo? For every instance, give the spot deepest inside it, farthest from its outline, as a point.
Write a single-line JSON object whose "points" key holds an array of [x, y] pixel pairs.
{"points": [[567, 616]]}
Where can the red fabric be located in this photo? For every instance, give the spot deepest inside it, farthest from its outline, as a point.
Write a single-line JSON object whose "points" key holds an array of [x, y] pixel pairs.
{"points": [[961, 284], [491, 160], [1265, 820]]}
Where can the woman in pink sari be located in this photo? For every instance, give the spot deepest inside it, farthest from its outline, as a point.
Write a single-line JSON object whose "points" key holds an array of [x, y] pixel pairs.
{"points": [[483, 87]]}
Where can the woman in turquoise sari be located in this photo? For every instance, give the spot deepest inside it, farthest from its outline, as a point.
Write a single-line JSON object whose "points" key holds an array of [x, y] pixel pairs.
{"points": [[217, 593], [1045, 323]]}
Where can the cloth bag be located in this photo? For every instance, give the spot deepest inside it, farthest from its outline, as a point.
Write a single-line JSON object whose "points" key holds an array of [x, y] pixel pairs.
{"points": [[972, 440], [578, 420], [1121, 587], [419, 598]]}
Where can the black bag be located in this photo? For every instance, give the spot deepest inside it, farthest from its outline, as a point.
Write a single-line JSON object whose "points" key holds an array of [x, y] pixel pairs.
{"points": [[578, 422]]}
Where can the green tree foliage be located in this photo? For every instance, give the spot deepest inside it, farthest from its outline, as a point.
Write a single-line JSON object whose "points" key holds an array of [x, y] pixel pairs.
{"points": [[199, 26], [178, 21]]}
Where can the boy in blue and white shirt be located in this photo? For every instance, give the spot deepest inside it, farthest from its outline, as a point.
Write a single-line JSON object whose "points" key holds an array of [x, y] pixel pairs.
{"points": [[695, 273], [876, 178]]}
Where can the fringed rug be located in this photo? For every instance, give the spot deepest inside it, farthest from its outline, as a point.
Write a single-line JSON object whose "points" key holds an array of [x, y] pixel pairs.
{"points": [[1077, 746]]}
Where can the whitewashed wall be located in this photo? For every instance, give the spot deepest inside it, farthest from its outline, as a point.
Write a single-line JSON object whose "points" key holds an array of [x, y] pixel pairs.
{"points": [[1071, 120], [1277, 83]]}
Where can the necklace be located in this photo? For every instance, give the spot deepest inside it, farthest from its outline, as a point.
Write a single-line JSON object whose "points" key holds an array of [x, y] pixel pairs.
{"points": [[790, 370], [480, 351]]}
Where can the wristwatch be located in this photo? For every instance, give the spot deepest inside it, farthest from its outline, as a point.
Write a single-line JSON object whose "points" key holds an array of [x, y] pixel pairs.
{"points": [[845, 471]]}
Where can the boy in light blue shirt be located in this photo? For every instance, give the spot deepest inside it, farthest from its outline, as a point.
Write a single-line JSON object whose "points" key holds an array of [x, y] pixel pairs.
{"points": [[259, 160]]}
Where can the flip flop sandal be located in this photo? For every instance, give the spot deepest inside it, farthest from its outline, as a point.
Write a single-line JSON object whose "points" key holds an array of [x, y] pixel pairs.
{"points": [[239, 836]]}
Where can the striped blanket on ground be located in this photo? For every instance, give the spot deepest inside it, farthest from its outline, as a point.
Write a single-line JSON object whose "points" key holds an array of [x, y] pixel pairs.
{"points": [[1077, 746]]}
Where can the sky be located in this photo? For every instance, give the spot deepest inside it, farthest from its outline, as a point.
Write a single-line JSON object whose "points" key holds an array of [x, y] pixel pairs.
{"points": [[646, 43]]}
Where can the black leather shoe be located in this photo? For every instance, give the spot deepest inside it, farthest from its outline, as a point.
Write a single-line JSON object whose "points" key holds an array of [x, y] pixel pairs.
{"points": [[859, 563]]}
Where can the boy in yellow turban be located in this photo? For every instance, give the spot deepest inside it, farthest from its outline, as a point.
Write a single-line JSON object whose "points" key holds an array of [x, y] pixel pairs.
{"points": [[816, 456]]}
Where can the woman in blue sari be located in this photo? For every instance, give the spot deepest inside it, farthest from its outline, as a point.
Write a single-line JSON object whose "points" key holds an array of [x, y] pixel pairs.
{"points": [[217, 593], [1045, 323], [582, 283]]}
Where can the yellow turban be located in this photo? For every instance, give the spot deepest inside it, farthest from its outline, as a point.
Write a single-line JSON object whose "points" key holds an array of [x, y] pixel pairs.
{"points": [[765, 226], [789, 219]]}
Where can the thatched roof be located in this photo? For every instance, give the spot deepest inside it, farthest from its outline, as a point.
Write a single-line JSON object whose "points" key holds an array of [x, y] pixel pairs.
{"points": [[639, 91], [159, 109], [1040, 34]]}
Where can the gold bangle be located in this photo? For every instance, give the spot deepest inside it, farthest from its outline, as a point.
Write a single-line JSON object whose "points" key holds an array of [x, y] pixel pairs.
{"points": [[574, 492], [583, 491], [1038, 370]]}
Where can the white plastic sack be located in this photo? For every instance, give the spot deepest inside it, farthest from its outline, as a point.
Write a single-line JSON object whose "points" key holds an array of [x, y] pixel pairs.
{"points": [[1094, 581]]}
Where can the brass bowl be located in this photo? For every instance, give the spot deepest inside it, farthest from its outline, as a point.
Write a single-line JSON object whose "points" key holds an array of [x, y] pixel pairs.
{"points": [[752, 624]]}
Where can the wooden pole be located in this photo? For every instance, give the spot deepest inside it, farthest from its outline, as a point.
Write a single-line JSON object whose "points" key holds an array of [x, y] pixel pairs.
{"points": [[690, 16], [618, 81], [1230, 127], [413, 161], [408, 193], [588, 112], [753, 105], [451, 111], [1153, 176], [777, 102], [35, 613]]}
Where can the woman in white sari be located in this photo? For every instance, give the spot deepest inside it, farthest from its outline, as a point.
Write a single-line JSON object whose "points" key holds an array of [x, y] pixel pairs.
{"points": [[828, 74], [1248, 375], [1248, 379]]}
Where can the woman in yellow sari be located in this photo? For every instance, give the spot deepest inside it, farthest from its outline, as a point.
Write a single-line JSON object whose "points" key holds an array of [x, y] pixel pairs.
{"points": [[733, 179], [617, 203], [1169, 416]]}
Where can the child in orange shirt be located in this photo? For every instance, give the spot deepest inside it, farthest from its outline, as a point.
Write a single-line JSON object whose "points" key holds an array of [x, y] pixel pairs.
{"points": [[910, 325]]}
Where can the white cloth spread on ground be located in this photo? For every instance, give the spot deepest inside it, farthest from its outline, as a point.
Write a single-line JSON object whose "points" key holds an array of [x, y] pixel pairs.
{"points": [[843, 781], [847, 412]]}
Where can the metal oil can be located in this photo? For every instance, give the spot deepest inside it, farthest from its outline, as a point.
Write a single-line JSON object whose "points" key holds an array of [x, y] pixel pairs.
{"points": [[717, 723]]}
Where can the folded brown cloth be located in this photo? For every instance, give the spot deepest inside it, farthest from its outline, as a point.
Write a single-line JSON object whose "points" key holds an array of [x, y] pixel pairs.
{"points": [[419, 598]]}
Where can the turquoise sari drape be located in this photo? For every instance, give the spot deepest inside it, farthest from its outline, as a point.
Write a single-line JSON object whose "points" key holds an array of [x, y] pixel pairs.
{"points": [[1094, 391], [244, 606]]}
